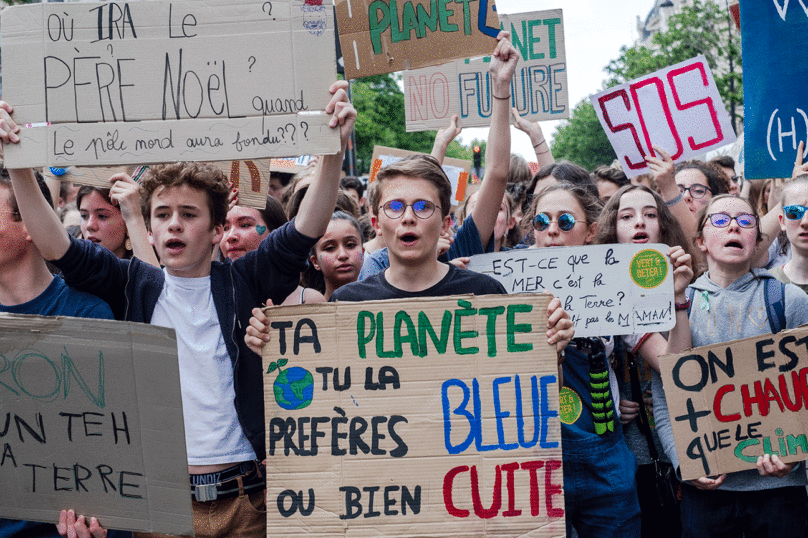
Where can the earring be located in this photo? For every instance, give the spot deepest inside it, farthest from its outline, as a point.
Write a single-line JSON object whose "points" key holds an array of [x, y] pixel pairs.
{"points": [[127, 244]]}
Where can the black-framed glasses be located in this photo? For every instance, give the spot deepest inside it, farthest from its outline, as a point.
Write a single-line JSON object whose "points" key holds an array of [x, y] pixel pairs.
{"points": [[794, 212], [722, 220], [394, 209], [542, 221], [696, 190]]}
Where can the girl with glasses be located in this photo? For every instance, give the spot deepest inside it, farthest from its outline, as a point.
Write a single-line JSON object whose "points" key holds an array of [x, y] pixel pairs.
{"points": [[699, 182], [727, 301], [600, 495]]}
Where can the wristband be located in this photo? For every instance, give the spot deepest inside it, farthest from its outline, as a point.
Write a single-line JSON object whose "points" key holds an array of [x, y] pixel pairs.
{"points": [[682, 306], [500, 98], [675, 200], [539, 144]]}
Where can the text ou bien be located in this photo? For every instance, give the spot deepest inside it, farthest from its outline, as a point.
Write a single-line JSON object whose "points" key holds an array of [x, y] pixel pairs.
{"points": [[358, 434], [786, 392]]}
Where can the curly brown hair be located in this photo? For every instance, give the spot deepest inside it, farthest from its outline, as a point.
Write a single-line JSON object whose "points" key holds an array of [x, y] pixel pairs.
{"points": [[203, 177]]}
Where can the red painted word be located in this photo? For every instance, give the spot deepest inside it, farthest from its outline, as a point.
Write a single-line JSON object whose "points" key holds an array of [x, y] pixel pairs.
{"points": [[763, 394], [656, 86], [509, 469]]}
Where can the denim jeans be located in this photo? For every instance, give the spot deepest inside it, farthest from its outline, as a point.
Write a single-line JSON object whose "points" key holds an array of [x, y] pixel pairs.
{"points": [[600, 491], [772, 513]]}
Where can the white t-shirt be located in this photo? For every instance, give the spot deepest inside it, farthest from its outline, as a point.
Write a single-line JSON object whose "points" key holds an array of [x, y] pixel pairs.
{"points": [[212, 430]]}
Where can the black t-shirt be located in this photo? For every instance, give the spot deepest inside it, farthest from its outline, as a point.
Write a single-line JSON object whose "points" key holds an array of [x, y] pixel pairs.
{"points": [[456, 282]]}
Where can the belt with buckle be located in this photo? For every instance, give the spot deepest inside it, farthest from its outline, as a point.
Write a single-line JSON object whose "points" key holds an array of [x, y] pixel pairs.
{"points": [[247, 477]]}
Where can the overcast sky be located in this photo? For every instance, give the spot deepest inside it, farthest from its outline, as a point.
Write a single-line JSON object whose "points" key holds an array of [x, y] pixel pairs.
{"points": [[594, 31]]}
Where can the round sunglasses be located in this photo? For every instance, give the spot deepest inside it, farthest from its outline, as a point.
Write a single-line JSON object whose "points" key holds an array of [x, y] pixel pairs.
{"points": [[722, 220], [542, 221], [794, 212]]}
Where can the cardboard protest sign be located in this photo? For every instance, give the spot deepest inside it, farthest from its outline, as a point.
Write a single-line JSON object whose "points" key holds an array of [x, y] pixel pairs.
{"points": [[92, 420], [457, 170], [678, 108], [774, 63], [386, 36], [406, 418], [291, 165], [607, 289], [732, 402], [538, 90], [153, 81]]}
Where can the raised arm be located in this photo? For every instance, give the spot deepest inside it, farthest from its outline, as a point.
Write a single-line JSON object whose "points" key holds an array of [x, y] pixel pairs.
{"points": [[126, 193], [498, 147], [318, 204], [540, 145], [40, 219], [444, 137]]}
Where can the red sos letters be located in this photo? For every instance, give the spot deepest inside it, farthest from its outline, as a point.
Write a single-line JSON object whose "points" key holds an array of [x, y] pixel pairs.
{"points": [[677, 108]]}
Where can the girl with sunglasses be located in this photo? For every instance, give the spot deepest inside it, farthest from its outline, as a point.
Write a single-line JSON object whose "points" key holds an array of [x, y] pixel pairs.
{"points": [[794, 223], [600, 494], [638, 215], [727, 299]]}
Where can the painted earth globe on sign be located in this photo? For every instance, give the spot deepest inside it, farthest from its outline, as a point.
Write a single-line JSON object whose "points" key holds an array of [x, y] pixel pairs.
{"points": [[294, 388]]}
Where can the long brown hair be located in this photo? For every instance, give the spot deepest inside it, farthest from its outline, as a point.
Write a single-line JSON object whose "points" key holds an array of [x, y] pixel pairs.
{"points": [[670, 231]]}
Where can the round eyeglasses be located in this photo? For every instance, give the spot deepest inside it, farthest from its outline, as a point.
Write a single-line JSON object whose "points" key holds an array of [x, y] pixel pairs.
{"points": [[722, 220], [394, 209], [566, 222]]}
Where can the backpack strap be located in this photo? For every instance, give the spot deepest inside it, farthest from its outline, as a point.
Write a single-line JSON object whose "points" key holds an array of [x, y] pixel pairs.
{"points": [[774, 295], [690, 292]]}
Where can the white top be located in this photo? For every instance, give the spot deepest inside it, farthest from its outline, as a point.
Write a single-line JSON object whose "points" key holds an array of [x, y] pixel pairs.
{"points": [[212, 430]]}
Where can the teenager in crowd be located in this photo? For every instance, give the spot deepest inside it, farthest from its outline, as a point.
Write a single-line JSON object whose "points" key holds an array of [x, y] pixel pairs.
{"points": [[208, 304], [769, 501], [600, 493]]}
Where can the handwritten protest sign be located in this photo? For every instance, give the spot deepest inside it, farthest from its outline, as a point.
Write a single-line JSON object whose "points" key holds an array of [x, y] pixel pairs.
{"points": [[538, 90], [385, 36], [154, 81], [457, 170], [732, 402], [607, 289], [92, 420], [678, 108], [435, 417], [774, 63]]}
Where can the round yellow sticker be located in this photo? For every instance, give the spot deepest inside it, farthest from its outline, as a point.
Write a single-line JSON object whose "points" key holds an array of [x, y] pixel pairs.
{"points": [[648, 268], [570, 405]]}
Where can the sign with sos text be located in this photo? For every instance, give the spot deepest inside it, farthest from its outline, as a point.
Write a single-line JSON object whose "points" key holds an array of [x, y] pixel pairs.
{"points": [[677, 108]]}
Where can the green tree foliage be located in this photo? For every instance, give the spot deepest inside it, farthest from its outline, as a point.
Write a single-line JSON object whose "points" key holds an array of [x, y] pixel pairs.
{"points": [[582, 140], [700, 28]]}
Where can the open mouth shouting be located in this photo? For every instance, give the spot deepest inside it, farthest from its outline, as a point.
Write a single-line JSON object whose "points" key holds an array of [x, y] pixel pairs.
{"points": [[640, 237], [175, 246], [409, 239]]}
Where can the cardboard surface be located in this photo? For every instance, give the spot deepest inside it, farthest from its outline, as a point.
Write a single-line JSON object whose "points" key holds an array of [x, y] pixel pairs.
{"points": [[538, 90], [395, 439], [732, 402], [774, 64], [678, 108], [457, 170], [606, 289], [222, 81], [92, 420], [386, 36]]}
